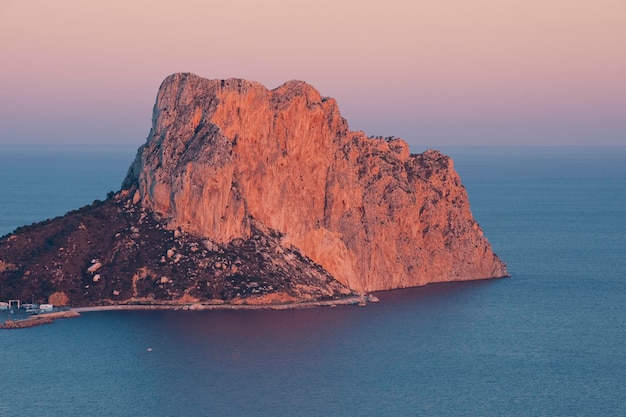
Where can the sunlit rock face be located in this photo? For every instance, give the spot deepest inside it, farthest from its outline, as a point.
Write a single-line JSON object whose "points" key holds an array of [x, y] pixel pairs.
{"points": [[224, 155]]}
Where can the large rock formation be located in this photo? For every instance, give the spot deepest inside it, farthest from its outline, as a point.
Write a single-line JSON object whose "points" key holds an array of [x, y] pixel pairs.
{"points": [[224, 152], [248, 195]]}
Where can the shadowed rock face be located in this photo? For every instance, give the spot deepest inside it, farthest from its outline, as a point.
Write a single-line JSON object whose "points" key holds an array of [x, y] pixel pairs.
{"points": [[224, 153]]}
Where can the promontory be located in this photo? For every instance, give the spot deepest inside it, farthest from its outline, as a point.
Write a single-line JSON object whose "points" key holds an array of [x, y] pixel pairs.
{"points": [[244, 195]]}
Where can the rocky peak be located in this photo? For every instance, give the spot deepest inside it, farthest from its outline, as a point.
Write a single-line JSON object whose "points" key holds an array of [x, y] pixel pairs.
{"points": [[247, 195], [224, 153]]}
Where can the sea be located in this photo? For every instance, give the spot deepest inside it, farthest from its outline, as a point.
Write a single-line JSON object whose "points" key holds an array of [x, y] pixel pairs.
{"points": [[548, 341]]}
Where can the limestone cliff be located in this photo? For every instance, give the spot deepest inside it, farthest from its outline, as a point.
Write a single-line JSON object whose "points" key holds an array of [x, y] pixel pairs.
{"points": [[223, 155]]}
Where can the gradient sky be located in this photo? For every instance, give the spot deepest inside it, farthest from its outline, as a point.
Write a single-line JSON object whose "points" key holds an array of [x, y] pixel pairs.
{"points": [[434, 72]]}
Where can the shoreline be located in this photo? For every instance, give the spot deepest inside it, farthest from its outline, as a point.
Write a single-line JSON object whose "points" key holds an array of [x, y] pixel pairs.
{"points": [[355, 300], [72, 312]]}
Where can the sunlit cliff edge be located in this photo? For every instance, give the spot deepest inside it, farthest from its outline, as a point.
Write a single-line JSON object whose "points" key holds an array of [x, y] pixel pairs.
{"points": [[244, 194]]}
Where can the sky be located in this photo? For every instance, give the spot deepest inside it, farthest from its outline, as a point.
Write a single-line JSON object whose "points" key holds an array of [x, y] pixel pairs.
{"points": [[433, 72]]}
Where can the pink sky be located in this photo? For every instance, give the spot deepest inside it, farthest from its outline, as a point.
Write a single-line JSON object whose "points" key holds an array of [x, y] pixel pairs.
{"points": [[434, 72]]}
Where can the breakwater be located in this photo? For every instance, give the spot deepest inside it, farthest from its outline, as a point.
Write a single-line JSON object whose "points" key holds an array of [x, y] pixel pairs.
{"points": [[38, 320]]}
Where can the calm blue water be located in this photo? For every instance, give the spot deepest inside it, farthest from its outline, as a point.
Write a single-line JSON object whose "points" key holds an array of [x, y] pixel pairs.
{"points": [[45, 181], [550, 341]]}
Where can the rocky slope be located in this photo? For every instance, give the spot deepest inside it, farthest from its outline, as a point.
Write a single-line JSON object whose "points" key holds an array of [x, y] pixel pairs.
{"points": [[116, 252], [291, 203]]}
